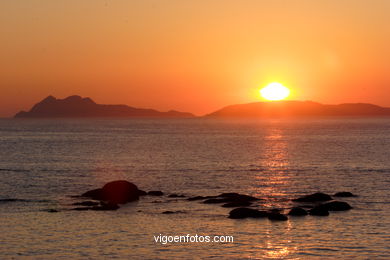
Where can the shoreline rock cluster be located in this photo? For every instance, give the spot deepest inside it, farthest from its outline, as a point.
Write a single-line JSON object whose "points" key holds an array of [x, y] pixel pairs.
{"points": [[121, 192], [111, 195]]}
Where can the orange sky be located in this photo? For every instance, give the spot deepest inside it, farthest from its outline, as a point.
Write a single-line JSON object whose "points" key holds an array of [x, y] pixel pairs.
{"points": [[194, 56]]}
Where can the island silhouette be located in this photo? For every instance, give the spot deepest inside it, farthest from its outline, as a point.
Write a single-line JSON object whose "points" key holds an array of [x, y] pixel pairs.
{"points": [[298, 109], [76, 106]]}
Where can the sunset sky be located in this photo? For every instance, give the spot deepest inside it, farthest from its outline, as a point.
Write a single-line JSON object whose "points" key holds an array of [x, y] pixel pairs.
{"points": [[194, 56]]}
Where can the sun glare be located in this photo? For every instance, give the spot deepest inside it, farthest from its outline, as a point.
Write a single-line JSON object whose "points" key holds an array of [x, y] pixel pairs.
{"points": [[274, 91]]}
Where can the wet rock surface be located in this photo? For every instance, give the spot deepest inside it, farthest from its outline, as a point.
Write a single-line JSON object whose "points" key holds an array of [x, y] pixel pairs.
{"points": [[297, 211]]}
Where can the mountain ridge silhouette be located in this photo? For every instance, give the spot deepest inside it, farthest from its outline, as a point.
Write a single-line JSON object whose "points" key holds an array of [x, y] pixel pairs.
{"points": [[299, 108], [77, 106]]}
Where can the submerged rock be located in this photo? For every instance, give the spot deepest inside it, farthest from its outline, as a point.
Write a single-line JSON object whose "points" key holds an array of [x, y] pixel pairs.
{"points": [[95, 194], [228, 194], [86, 203], [315, 197], [237, 197], [82, 208], [240, 213], [174, 195], [336, 206], [216, 201], [155, 193], [171, 212], [235, 204], [142, 193], [200, 198], [344, 194], [277, 216], [100, 206], [106, 206], [297, 211], [319, 211], [168, 212]]}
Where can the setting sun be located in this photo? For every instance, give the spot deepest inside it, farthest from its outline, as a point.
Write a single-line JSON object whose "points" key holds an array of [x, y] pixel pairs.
{"points": [[274, 91]]}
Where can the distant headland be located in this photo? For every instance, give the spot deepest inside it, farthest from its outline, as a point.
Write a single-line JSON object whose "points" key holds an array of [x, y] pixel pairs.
{"points": [[298, 109], [76, 106]]}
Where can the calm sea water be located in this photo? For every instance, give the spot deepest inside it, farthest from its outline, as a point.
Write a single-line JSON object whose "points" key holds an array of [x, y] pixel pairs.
{"points": [[43, 162]]}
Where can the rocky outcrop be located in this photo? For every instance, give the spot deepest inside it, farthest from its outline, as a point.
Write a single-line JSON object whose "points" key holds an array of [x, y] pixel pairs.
{"points": [[319, 211], [240, 213], [117, 192], [155, 193], [315, 197], [344, 194], [236, 204], [277, 216], [336, 206]]}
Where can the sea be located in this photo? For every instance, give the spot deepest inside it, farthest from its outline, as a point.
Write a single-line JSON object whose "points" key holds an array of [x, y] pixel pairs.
{"points": [[45, 163]]}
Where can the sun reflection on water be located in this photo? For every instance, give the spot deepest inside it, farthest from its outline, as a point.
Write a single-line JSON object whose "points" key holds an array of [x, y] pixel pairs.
{"points": [[279, 252], [272, 184]]}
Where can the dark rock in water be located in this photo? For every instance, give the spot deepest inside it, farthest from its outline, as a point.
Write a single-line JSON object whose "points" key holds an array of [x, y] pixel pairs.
{"points": [[225, 198], [228, 195], [274, 211], [120, 192], [106, 206], [95, 194], [201, 198], [307, 206], [117, 192], [277, 216], [101, 206], [168, 212], [336, 206], [240, 213], [86, 203], [11, 200], [344, 194], [155, 193], [319, 211], [315, 197], [82, 208], [297, 211], [236, 204], [171, 212], [142, 193], [176, 196], [239, 197], [197, 198], [231, 197], [216, 201], [52, 210], [242, 197]]}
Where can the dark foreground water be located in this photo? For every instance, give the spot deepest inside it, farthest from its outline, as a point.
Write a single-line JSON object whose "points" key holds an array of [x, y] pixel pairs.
{"points": [[42, 162]]}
